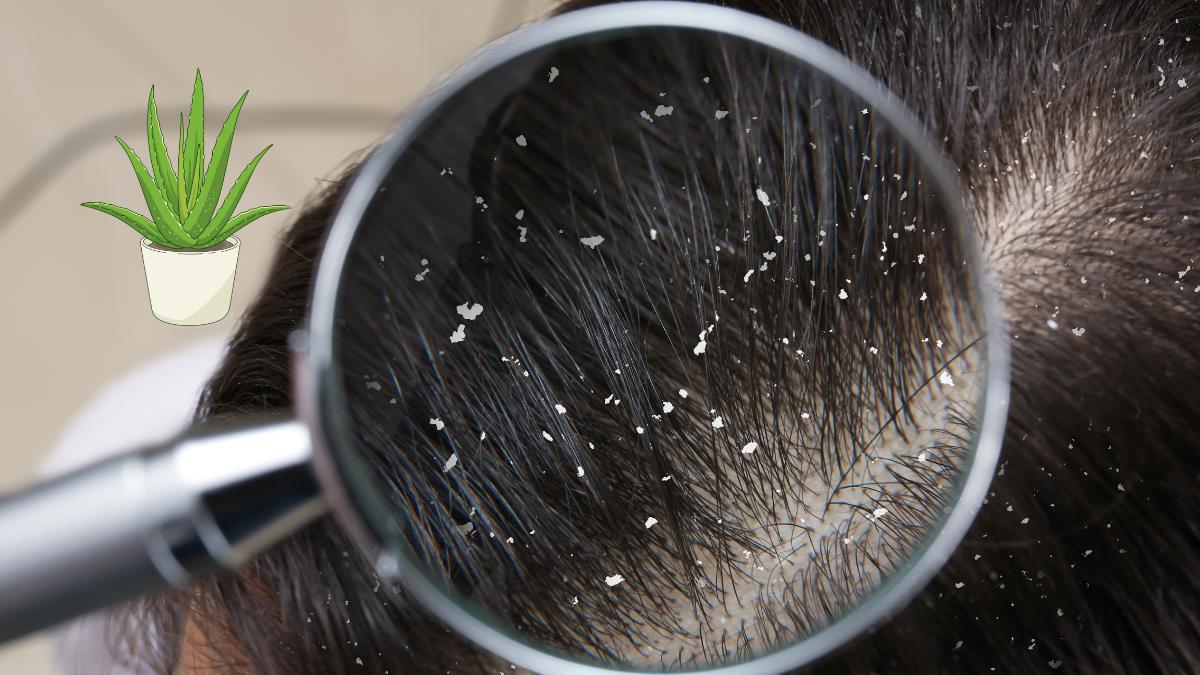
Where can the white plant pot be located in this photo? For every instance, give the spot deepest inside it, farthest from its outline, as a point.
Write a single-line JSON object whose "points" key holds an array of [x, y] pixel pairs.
{"points": [[190, 288]]}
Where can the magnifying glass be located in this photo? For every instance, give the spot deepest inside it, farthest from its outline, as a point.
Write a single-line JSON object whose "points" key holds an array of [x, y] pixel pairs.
{"points": [[655, 338]]}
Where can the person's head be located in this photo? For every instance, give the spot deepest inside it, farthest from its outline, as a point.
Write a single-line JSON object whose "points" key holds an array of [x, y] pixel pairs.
{"points": [[1072, 127]]}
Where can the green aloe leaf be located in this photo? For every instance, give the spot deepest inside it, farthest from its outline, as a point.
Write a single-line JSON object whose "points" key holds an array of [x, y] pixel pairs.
{"points": [[193, 149], [214, 177], [241, 220], [162, 215], [181, 211], [137, 221], [221, 217], [160, 161]]}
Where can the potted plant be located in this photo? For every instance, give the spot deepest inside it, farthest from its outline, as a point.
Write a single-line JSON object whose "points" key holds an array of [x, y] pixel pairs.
{"points": [[188, 248]]}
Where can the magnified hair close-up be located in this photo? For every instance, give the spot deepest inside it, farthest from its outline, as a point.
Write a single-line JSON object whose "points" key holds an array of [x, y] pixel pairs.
{"points": [[744, 337]]}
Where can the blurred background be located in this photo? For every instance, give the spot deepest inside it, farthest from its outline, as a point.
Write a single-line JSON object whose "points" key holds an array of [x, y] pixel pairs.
{"points": [[326, 79]]}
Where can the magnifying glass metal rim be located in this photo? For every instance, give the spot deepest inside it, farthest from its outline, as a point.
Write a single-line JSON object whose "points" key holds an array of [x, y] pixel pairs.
{"points": [[320, 398]]}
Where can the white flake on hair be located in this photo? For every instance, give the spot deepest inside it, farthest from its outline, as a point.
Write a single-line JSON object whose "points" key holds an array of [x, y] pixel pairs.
{"points": [[668, 406], [720, 114], [663, 110], [437, 423], [749, 448], [470, 311], [650, 522], [553, 74], [718, 423], [762, 196], [459, 334], [450, 463], [546, 435], [945, 378], [1079, 331], [842, 295], [561, 410], [614, 579], [579, 471], [592, 242], [521, 141]]}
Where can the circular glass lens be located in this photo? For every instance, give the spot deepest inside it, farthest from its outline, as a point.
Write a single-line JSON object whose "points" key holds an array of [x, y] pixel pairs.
{"points": [[658, 348]]}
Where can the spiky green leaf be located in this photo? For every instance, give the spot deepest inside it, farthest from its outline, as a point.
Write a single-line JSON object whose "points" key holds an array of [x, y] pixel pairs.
{"points": [[137, 221], [160, 161], [181, 211], [160, 213], [223, 214], [214, 177], [238, 222], [193, 149]]}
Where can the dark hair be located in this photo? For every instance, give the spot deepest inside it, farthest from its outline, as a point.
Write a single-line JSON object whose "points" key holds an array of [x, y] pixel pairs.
{"points": [[1074, 128]]}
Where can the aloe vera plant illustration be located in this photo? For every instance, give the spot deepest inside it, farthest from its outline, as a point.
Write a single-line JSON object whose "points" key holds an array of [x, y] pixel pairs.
{"points": [[182, 198]]}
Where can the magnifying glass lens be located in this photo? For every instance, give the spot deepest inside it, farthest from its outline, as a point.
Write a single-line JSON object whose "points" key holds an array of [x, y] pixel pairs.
{"points": [[658, 348]]}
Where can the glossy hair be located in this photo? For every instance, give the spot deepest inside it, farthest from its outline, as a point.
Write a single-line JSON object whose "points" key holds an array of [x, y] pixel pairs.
{"points": [[1080, 157]]}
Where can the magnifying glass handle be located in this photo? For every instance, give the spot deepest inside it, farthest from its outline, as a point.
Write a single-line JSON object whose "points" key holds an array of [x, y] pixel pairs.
{"points": [[159, 516]]}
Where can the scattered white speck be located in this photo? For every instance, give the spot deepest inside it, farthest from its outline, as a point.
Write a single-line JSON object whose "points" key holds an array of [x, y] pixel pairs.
{"points": [[653, 234], [450, 463], [959, 585], [762, 197], [374, 386], [1054, 663], [683, 393], [668, 406], [1078, 331], [720, 114], [470, 312], [358, 661], [1025, 521], [523, 231], [646, 116], [842, 294], [924, 296], [667, 478], [923, 457], [904, 195], [663, 110], [1182, 83], [437, 423], [614, 579], [746, 278], [459, 334], [521, 141], [749, 448], [553, 73], [579, 471], [945, 378], [519, 214], [1055, 67], [561, 410], [547, 436], [650, 522], [592, 242], [920, 258], [641, 431], [873, 350], [718, 423], [879, 512], [1052, 324]]}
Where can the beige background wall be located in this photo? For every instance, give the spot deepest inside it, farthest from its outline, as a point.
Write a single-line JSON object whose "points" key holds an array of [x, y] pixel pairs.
{"points": [[73, 306]]}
